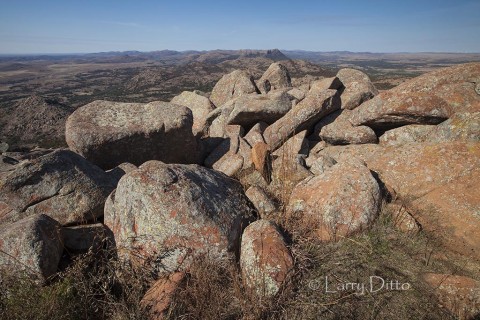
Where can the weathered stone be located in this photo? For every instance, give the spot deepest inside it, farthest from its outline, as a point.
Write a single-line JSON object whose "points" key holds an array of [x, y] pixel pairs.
{"points": [[229, 164], [7, 164], [265, 260], [343, 200], [245, 151], [458, 294], [120, 170], [4, 147], [261, 158], [303, 116], [437, 183], [293, 147], [33, 245], [276, 77], [255, 134], [460, 127], [427, 99], [158, 298], [450, 213], [261, 201], [358, 88], [109, 133], [201, 106], [321, 164], [61, 184], [169, 213], [406, 134], [250, 109], [84, 237], [296, 94], [325, 84], [232, 85], [287, 172], [338, 130]]}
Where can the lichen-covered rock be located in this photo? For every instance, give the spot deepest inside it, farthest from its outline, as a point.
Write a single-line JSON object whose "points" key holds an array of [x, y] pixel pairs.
{"points": [[261, 158], [250, 109], [265, 260], [438, 184], [458, 294], [33, 245], [84, 237], [322, 164], [232, 85], [200, 105], [255, 134], [358, 88], [427, 99], [343, 200], [303, 116], [61, 184], [341, 131], [261, 201], [276, 77], [460, 127], [169, 213], [109, 133], [158, 298], [406, 134]]}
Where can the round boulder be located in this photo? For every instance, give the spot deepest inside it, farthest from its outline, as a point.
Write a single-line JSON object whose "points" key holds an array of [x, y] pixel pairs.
{"points": [[341, 201]]}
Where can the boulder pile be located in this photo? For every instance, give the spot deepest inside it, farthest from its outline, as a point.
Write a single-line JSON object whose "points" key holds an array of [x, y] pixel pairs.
{"points": [[166, 180]]}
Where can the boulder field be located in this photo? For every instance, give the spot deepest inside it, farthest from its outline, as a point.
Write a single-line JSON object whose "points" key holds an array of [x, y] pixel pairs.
{"points": [[212, 174]]}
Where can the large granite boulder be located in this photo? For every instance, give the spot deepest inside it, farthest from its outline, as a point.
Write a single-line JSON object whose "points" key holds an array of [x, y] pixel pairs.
{"points": [[169, 213], [200, 105], [61, 184], [358, 88], [343, 200], [250, 109], [33, 245], [232, 85], [109, 133], [276, 77]]}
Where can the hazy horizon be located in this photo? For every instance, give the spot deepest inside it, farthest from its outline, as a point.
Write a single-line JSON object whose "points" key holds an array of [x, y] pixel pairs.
{"points": [[59, 27]]}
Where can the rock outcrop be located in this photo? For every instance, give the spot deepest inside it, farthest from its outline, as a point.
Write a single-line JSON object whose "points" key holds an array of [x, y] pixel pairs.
{"points": [[428, 99]]}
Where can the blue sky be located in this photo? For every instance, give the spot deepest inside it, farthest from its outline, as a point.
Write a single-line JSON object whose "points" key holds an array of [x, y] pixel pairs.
{"points": [[68, 26]]}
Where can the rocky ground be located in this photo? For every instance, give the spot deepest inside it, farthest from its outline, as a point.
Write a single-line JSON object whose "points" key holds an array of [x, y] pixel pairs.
{"points": [[263, 199]]}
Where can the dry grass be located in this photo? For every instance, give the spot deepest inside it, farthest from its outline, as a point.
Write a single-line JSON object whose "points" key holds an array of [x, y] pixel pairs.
{"points": [[94, 286]]}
